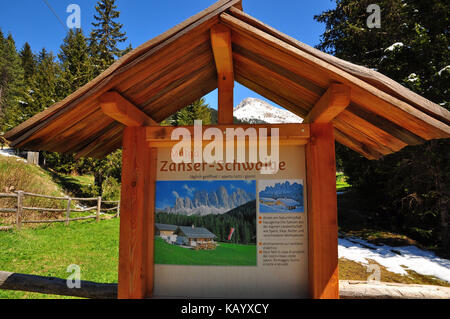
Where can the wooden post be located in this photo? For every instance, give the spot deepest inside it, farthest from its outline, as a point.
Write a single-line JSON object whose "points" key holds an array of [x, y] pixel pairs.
{"points": [[19, 210], [118, 209], [69, 203], [137, 216], [322, 213], [99, 207], [223, 56]]}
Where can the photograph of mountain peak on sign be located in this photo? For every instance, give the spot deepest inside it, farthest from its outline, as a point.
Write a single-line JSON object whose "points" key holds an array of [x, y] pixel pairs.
{"points": [[281, 196], [205, 223]]}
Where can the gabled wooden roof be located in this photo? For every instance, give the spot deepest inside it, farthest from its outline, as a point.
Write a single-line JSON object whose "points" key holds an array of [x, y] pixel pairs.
{"points": [[177, 67]]}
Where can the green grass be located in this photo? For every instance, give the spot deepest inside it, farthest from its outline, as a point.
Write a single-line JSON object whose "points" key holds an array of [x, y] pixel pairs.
{"points": [[48, 251], [341, 182], [224, 255]]}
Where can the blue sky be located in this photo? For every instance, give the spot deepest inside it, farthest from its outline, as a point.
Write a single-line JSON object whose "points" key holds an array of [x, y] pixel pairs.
{"points": [[33, 21], [168, 191]]}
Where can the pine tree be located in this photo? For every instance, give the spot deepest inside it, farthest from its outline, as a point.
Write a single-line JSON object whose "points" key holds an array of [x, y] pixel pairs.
{"points": [[12, 92], [76, 63], [28, 63], [45, 85], [198, 110], [106, 35]]}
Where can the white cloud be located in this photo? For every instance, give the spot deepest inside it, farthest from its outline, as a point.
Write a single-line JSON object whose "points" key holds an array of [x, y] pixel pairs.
{"points": [[189, 190]]}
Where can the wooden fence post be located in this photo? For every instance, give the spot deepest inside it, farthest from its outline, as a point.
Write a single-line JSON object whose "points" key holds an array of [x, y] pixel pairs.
{"points": [[69, 202], [99, 207], [19, 209], [118, 209]]}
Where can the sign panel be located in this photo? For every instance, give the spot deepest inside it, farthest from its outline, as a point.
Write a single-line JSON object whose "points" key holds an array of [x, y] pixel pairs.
{"points": [[227, 230]]}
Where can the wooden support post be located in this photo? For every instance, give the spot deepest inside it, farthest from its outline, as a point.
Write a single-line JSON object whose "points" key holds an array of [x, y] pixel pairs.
{"points": [[19, 210], [223, 56], [322, 213], [137, 216], [69, 202], [99, 207]]}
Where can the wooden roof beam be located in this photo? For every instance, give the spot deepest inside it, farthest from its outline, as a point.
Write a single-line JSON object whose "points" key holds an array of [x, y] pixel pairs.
{"points": [[331, 104], [223, 56], [123, 111]]}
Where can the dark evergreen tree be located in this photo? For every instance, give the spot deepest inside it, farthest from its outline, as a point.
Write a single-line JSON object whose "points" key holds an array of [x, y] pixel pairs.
{"points": [[76, 63], [198, 110], [12, 91], [410, 189], [106, 35], [28, 63]]}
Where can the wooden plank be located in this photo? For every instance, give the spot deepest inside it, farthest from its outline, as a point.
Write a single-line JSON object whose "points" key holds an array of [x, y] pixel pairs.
{"points": [[391, 128], [286, 88], [270, 95], [356, 145], [283, 141], [333, 102], [242, 46], [223, 57], [367, 140], [56, 286], [19, 214], [69, 202], [120, 109], [322, 213], [372, 131], [47, 124], [125, 63], [363, 93], [293, 131], [375, 78], [150, 222], [135, 209]]}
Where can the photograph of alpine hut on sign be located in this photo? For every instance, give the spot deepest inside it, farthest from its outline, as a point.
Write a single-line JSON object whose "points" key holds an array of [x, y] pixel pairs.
{"points": [[194, 219], [281, 196]]}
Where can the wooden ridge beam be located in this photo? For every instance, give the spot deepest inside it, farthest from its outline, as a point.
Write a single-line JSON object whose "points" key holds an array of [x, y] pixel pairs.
{"points": [[330, 105], [123, 111], [223, 56]]}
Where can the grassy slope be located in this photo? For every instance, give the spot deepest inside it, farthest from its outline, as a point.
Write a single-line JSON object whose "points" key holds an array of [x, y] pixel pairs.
{"points": [[224, 255]]}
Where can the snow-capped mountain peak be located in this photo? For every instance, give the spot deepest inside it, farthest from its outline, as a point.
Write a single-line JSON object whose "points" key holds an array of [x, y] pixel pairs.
{"points": [[256, 111]]}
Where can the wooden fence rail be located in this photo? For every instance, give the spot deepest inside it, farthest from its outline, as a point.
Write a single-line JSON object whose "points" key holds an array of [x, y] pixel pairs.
{"points": [[20, 208]]}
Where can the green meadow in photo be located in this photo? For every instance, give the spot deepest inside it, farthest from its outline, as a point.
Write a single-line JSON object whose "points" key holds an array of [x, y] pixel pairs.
{"points": [[224, 255]]}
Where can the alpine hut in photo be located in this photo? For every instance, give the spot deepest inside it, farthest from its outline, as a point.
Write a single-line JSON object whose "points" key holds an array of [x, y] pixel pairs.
{"points": [[196, 236], [165, 231], [122, 108]]}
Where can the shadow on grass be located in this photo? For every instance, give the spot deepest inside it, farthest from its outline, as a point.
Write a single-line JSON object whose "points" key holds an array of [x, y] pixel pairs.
{"points": [[74, 186]]}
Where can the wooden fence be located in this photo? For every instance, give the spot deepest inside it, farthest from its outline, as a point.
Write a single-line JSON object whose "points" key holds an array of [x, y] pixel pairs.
{"points": [[20, 209]]}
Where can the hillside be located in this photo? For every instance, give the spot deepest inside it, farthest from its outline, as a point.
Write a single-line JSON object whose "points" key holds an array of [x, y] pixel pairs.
{"points": [[15, 175]]}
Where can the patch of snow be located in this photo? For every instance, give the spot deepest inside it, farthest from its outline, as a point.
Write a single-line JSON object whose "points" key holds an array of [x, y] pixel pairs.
{"points": [[395, 259], [447, 68], [9, 152], [412, 78], [394, 46], [256, 111]]}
